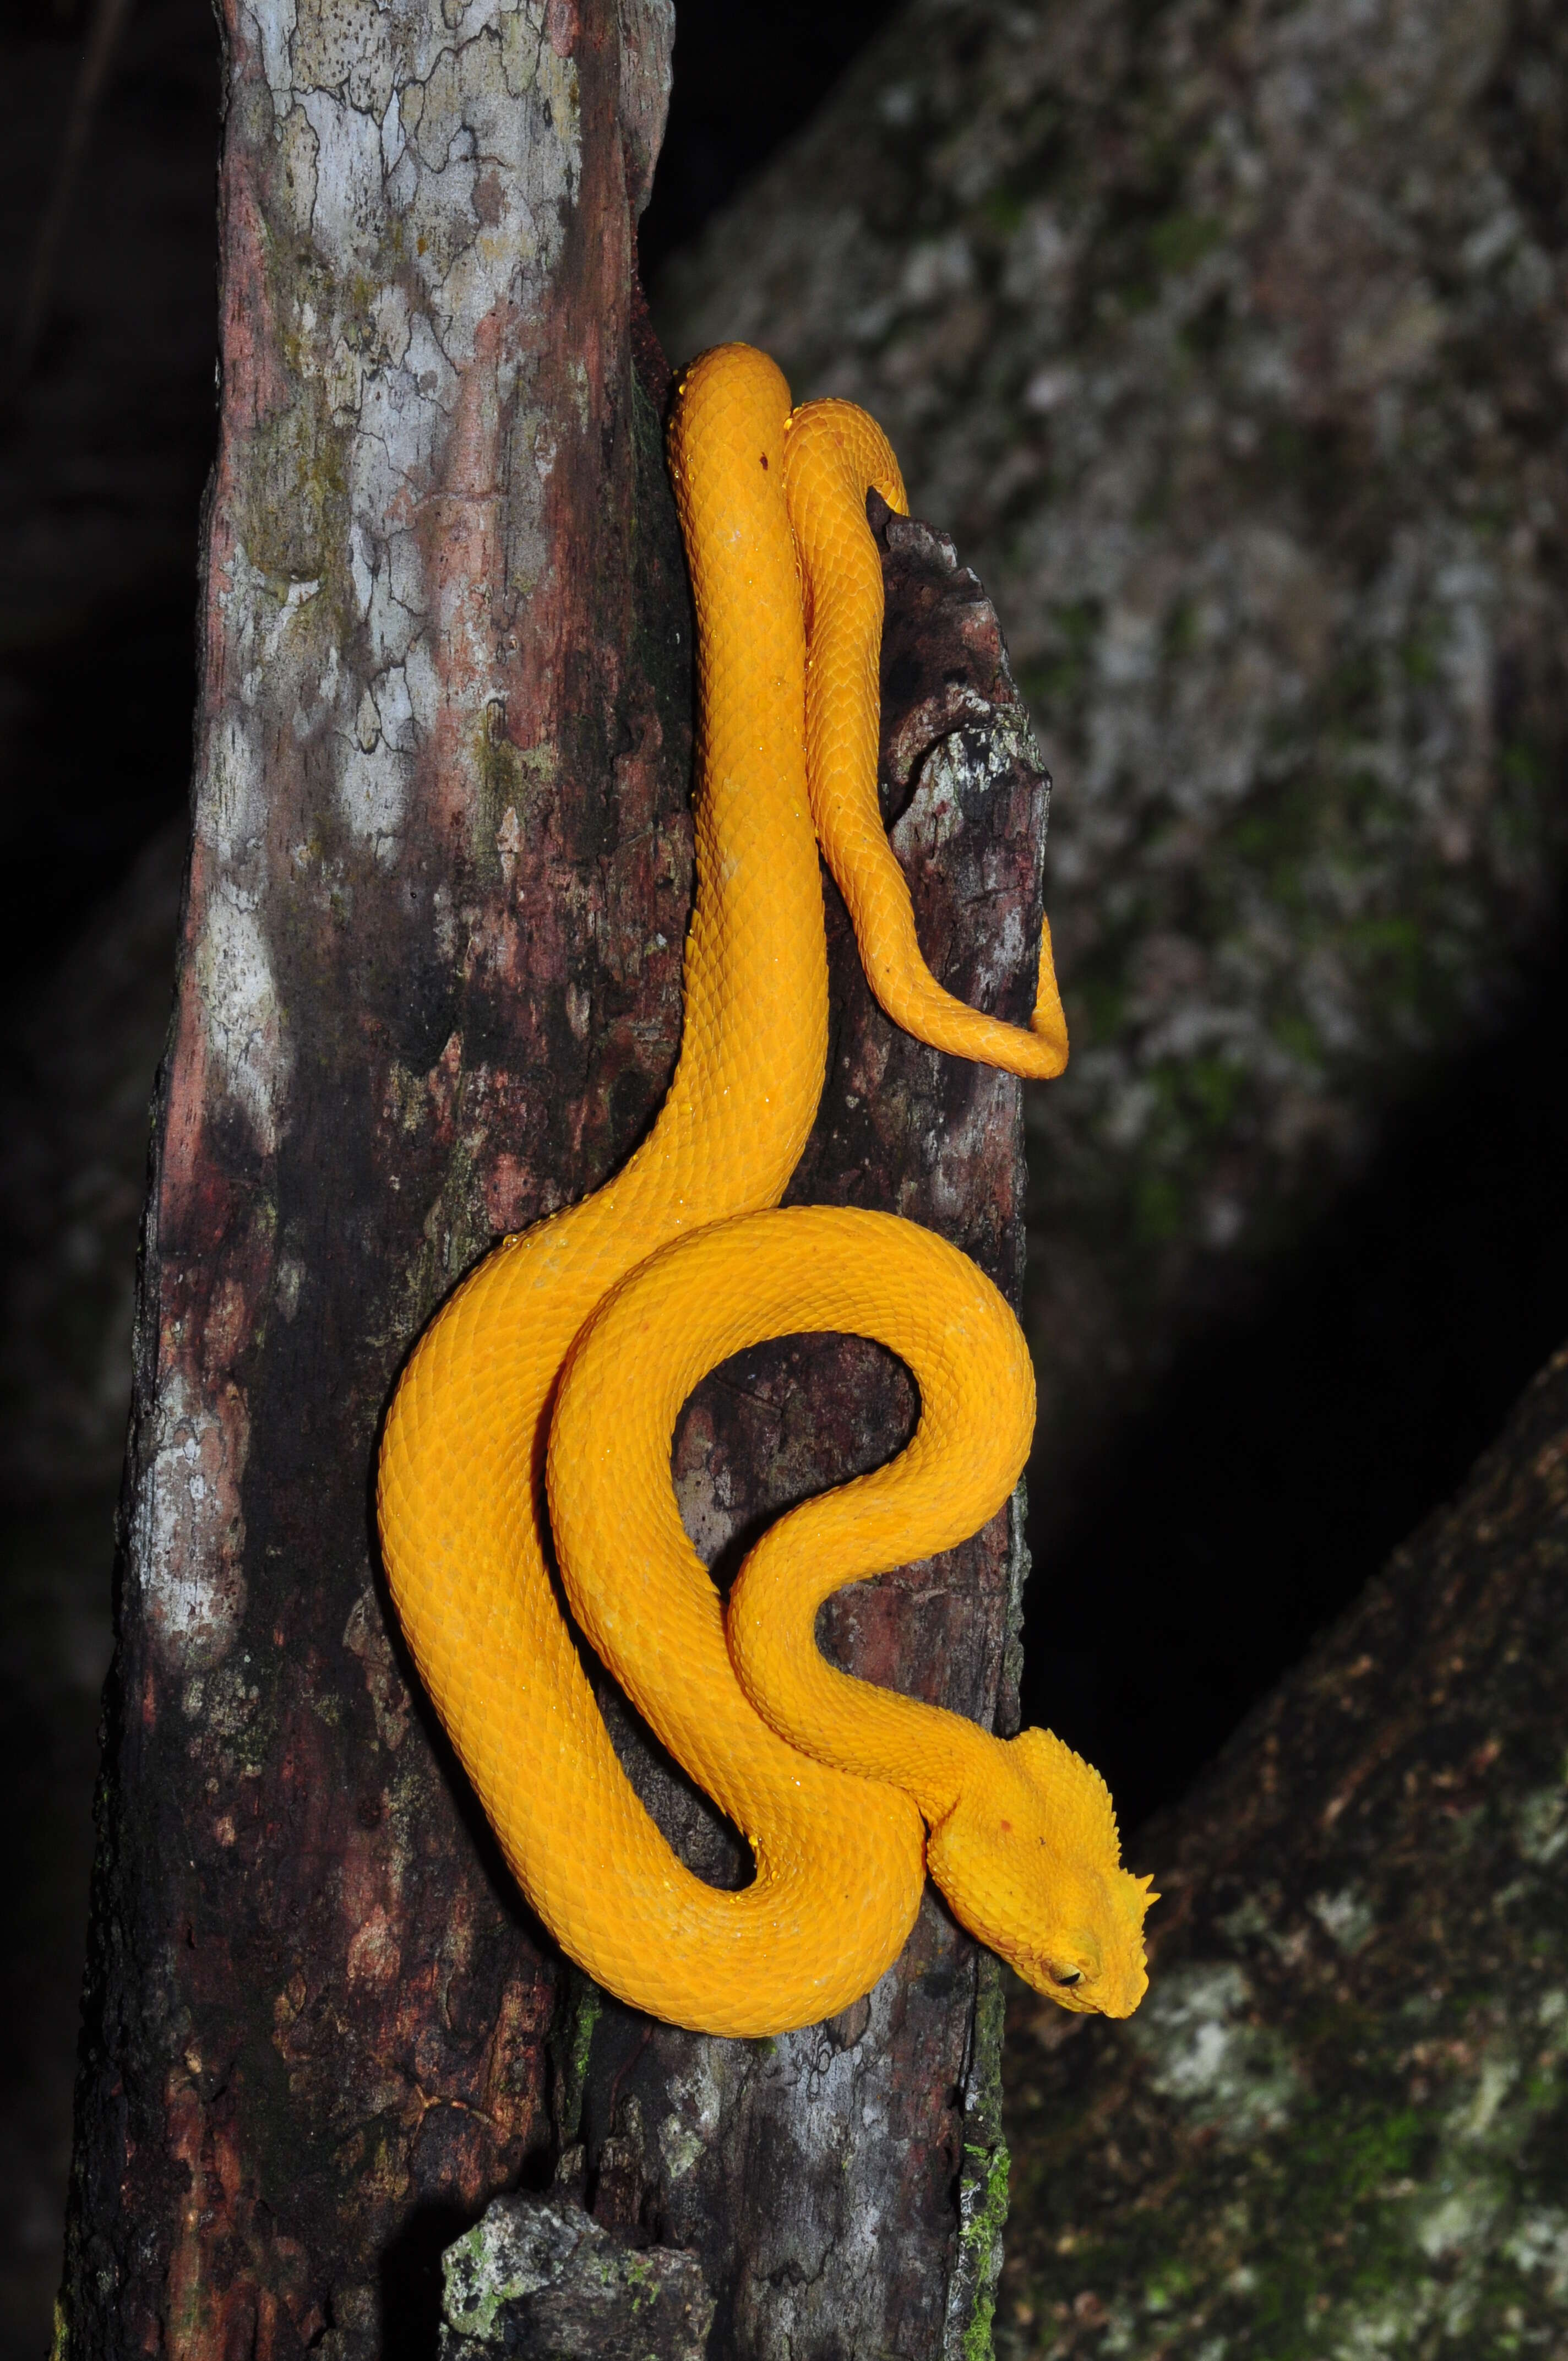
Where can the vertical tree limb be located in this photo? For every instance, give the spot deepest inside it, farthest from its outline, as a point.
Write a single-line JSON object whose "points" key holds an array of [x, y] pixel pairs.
{"points": [[843, 2185], [429, 990], [443, 732]]}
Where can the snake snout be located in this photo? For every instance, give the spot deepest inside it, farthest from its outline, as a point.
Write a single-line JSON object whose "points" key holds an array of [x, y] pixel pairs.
{"points": [[1029, 1859]]}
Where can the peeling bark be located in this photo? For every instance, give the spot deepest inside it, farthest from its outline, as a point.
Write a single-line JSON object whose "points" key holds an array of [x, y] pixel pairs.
{"points": [[430, 989]]}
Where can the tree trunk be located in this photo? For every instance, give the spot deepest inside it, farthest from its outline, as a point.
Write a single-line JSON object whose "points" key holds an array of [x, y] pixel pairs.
{"points": [[430, 989], [1338, 2123]]}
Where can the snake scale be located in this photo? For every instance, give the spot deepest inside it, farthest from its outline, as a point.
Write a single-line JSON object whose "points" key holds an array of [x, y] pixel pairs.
{"points": [[537, 1411]]}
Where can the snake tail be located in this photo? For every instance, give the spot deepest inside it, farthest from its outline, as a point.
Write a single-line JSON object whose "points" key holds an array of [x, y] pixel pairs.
{"points": [[833, 454]]}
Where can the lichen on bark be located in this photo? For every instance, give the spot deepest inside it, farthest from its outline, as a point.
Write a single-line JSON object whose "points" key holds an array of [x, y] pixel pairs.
{"points": [[537, 2275], [429, 989], [1337, 2126], [316, 2019]]}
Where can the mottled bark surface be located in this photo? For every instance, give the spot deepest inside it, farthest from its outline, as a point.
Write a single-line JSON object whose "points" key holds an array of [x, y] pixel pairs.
{"points": [[540, 2276], [1228, 341], [443, 731], [841, 2184], [1340, 2122], [429, 989]]}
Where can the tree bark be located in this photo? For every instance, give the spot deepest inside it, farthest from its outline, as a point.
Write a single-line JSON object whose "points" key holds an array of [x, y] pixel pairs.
{"points": [[429, 990], [1337, 2125], [1244, 405], [844, 2186]]}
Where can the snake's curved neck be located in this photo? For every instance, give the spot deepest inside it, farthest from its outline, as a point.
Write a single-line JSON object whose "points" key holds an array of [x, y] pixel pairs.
{"points": [[926, 1750]]}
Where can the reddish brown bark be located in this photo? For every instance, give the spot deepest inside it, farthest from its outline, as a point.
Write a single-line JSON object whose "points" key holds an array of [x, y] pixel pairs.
{"points": [[819, 2176], [429, 990]]}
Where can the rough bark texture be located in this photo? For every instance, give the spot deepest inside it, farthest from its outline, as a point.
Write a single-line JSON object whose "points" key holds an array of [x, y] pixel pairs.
{"points": [[842, 2185], [1227, 338], [431, 752], [540, 2277], [429, 989], [1339, 2124]]}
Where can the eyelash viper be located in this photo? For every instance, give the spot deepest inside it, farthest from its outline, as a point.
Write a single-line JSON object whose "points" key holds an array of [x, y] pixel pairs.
{"points": [[561, 1364]]}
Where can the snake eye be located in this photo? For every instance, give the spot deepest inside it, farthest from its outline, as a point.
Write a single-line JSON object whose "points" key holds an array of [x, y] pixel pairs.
{"points": [[1073, 1976]]}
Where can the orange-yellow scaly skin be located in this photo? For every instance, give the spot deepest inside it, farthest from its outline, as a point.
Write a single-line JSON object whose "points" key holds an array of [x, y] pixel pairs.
{"points": [[679, 1259], [834, 451]]}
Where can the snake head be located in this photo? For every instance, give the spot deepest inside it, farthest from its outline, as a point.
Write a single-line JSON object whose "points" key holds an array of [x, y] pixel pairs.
{"points": [[1030, 1859]]}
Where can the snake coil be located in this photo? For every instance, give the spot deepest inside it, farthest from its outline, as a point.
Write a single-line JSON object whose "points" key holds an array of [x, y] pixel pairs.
{"points": [[554, 1376]]}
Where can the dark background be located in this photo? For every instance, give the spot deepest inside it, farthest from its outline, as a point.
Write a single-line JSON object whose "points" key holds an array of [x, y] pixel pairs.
{"points": [[1281, 1459]]}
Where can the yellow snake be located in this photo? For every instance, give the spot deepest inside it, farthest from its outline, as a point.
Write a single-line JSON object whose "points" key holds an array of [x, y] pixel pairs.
{"points": [[562, 1364]]}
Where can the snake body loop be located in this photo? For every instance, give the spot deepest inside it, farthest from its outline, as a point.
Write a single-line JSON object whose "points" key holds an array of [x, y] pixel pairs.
{"points": [[565, 1356]]}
